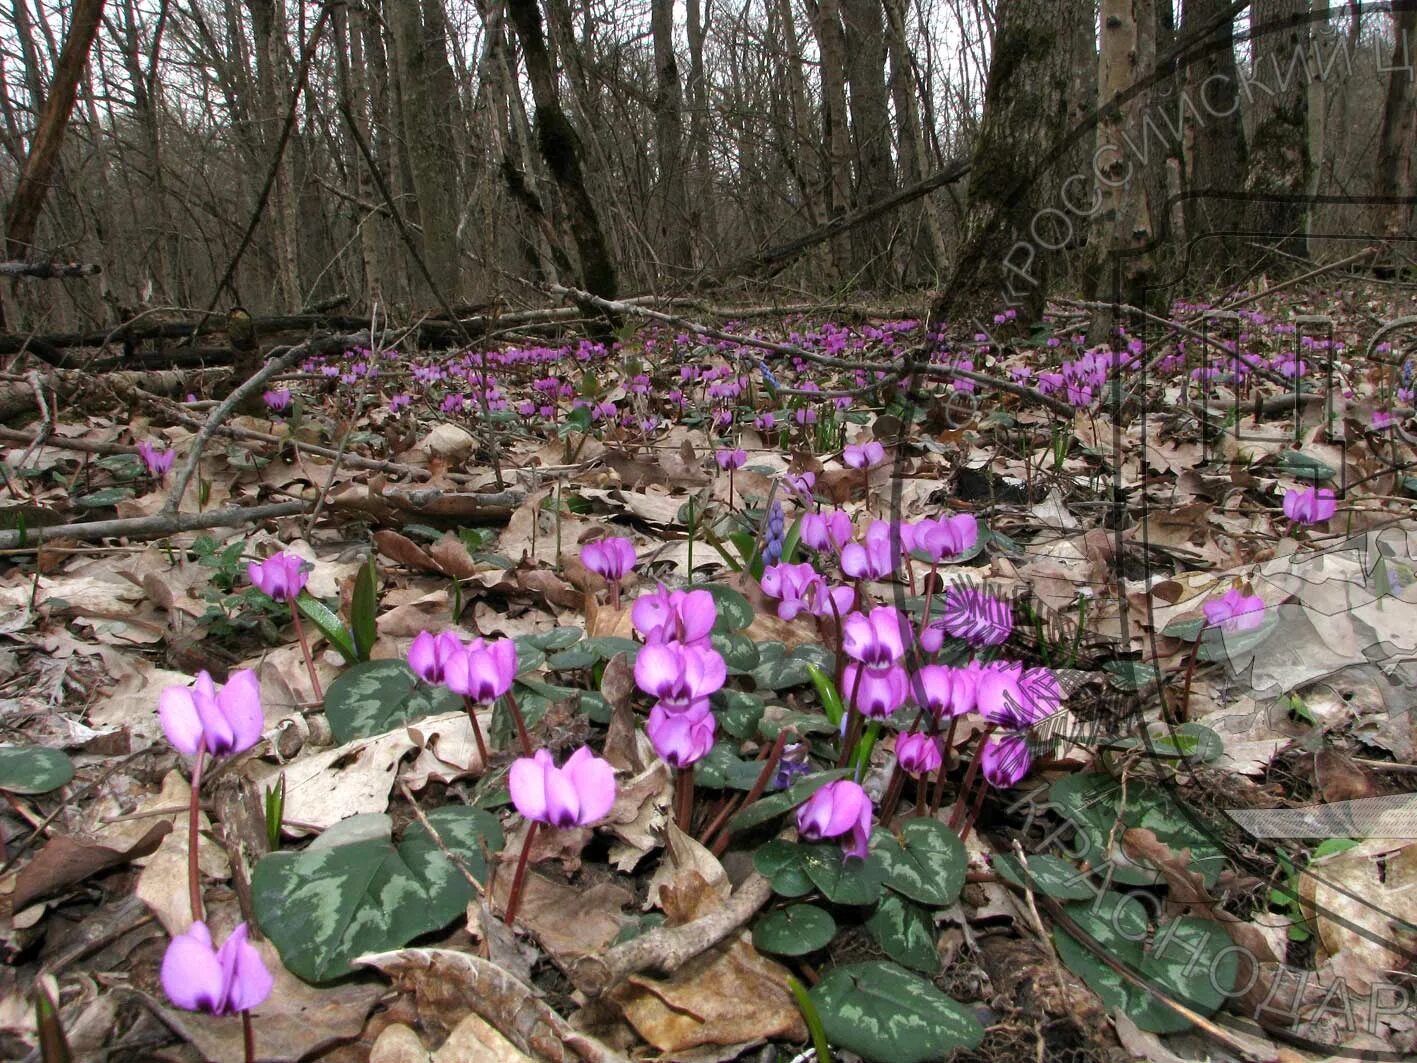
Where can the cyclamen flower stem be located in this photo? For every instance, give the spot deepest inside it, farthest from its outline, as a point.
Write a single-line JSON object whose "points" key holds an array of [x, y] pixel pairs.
{"points": [[760, 784], [969, 777], [517, 718], [894, 789], [684, 797], [614, 600], [854, 721], [973, 810], [305, 649], [477, 732], [514, 898], [929, 595], [194, 873], [248, 1036]]}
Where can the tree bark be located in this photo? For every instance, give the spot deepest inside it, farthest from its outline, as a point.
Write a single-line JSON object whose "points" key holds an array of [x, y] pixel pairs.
{"points": [[1013, 176], [22, 215], [1279, 163], [561, 149], [1398, 137], [1215, 147], [871, 132], [913, 150], [831, 44], [676, 236]]}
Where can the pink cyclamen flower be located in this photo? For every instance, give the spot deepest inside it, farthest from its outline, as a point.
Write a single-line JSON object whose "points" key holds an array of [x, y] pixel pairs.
{"points": [[731, 459], [1234, 612], [799, 588], [277, 401], [878, 638], [822, 530], [1014, 699], [156, 461], [610, 558], [918, 754], [942, 691], [1312, 505], [575, 795], [679, 676], [946, 536], [864, 456], [281, 577], [674, 616], [838, 809], [801, 483], [878, 557], [429, 655], [230, 719], [482, 671], [196, 976], [681, 736]]}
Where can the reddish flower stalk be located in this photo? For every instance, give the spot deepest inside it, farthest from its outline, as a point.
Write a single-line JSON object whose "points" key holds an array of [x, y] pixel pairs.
{"points": [[520, 721], [759, 785], [194, 873], [969, 776], [684, 797], [477, 732], [514, 898], [305, 649]]}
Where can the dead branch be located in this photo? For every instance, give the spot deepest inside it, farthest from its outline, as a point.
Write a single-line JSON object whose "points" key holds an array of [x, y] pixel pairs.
{"points": [[49, 270], [454, 982], [154, 527], [668, 948]]}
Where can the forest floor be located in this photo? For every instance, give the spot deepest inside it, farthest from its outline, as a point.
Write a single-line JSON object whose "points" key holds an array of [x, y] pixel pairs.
{"points": [[1133, 884]]}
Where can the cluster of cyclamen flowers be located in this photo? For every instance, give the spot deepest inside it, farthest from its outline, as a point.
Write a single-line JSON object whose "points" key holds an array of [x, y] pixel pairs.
{"points": [[679, 669]]}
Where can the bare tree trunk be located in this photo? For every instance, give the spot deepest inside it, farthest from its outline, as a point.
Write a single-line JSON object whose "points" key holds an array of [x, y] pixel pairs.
{"points": [[561, 149], [1121, 227], [913, 151], [1398, 138], [701, 179], [1215, 147], [1279, 163], [831, 44], [269, 35], [1007, 243], [871, 131], [22, 215], [426, 85], [676, 237]]}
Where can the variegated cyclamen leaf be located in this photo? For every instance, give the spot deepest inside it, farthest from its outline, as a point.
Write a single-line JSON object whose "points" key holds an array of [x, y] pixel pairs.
{"points": [[794, 931], [925, 862], [885, 1014], [375, 697], [33, 769], [906, 932], [322, 907]]}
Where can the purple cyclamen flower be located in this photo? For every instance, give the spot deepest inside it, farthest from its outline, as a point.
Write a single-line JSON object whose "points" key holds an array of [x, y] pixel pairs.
{"points": [[1234, 612], [878, 638], [729, 460], [277, 401], [575, 795], [681, 736], [838, 809], [820, 530], [674, 616], [482, 671], [429, 655], [676, 675], [799, 588], [864, 456], [199, 977], [156, 461], [946, 536], [801, 483], [973, 615], [610, 558], [943, 691], [229, 719], [281, 577], [1014, 699], [1312, 505], [878, 557], [918, 754]]}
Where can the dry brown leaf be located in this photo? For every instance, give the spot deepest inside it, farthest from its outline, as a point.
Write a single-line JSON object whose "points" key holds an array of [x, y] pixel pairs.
{"points": [[685, 857], [405, 551], [337, 783], [66, 861], [729, 995]]}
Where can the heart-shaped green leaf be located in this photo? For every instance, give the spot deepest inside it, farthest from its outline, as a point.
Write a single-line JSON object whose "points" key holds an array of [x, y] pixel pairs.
{"points": [[782, 863], [906, 932], [739, 652], [33, 769], [326, 905], [765, 808], [925, 863], [738, 712], [734, 611], [843, 879], [375, 697], [1048, 875], [795, 930], [558, 638], [885, 1014]]}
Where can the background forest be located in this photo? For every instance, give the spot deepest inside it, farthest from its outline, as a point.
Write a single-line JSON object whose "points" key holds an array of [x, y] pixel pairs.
{"points": [[672, 148]]}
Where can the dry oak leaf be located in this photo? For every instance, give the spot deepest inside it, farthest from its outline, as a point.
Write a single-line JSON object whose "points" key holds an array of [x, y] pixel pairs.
{"points": [[66, 861], [729, 995]]}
